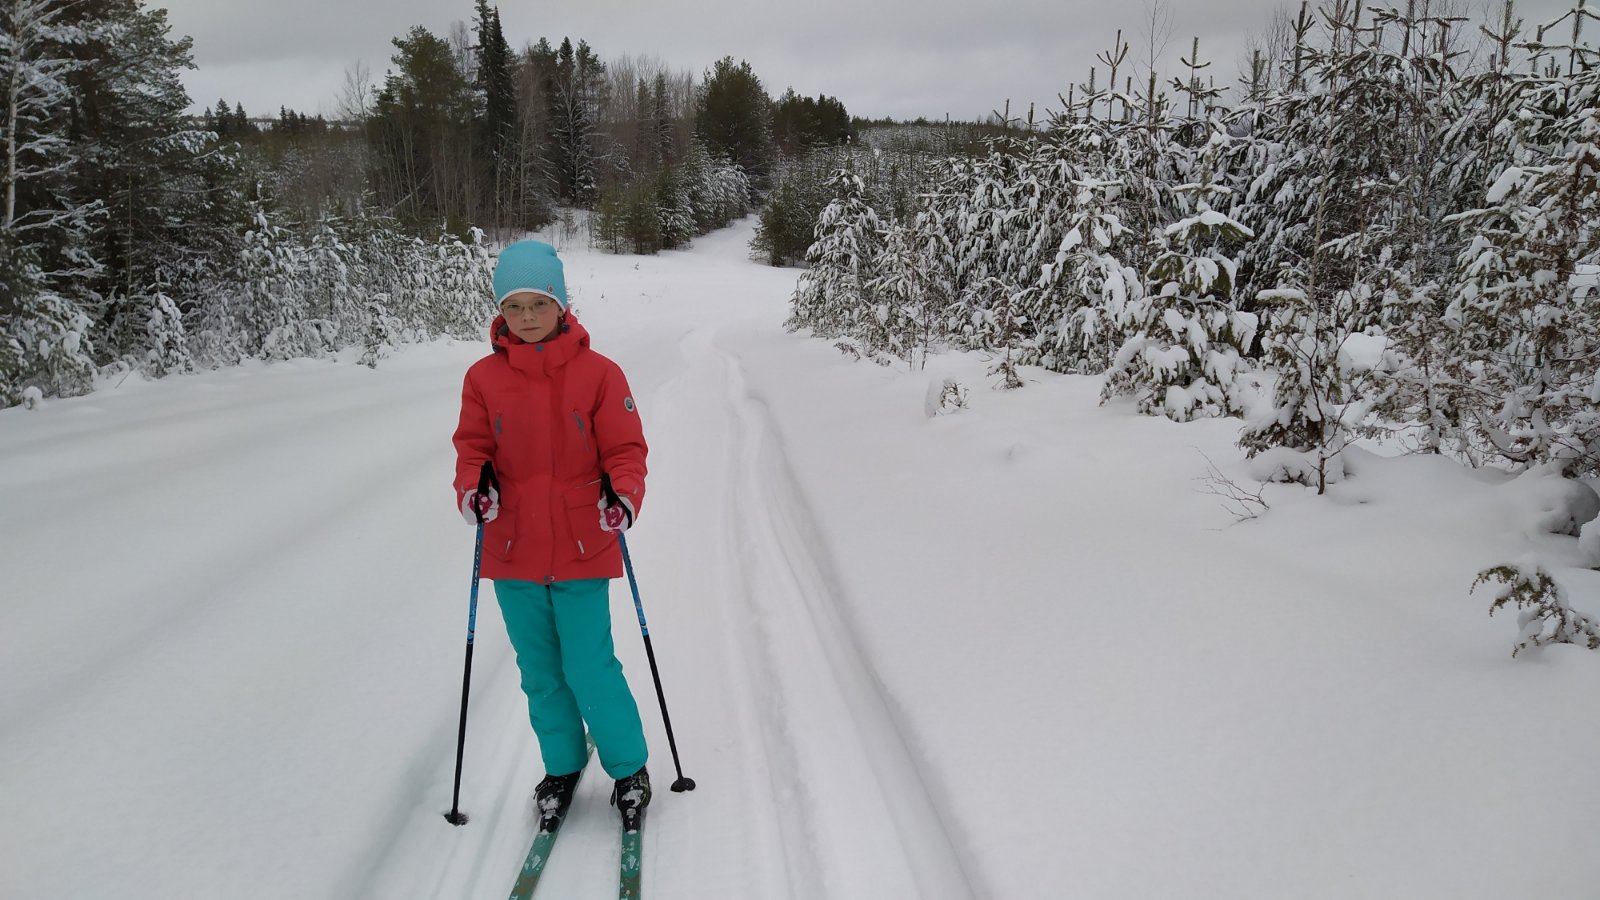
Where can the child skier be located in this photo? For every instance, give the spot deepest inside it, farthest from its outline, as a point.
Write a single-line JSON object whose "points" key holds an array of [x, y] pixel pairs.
{"points": [[551, 417]]}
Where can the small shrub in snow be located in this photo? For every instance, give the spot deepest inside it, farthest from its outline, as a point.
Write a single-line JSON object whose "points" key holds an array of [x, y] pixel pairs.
{"points": [[1002, 320], [379, 336], [1545, 617], [944, 396], [1241, 501]]}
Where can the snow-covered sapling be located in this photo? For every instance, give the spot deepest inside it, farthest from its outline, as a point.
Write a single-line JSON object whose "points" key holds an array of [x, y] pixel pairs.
{"points": [[1545, 617]]}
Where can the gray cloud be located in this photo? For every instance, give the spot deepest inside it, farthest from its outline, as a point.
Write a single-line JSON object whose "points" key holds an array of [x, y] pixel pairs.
{"points": [[892, 57]]}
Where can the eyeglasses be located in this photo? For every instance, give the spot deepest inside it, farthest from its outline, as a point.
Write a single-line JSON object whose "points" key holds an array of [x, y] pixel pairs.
{"points": [[536, 307]]}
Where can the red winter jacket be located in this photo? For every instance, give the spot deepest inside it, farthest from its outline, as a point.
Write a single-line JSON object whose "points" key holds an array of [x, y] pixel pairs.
{"points": [[551, 417]]}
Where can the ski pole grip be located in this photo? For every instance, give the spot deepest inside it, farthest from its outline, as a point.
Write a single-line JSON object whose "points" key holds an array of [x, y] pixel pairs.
{"points": [[480, 500], [610, 492]]}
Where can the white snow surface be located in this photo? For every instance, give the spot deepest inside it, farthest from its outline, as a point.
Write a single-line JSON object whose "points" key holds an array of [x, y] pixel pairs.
{"points": [[1362, 352], [1014, 650]]}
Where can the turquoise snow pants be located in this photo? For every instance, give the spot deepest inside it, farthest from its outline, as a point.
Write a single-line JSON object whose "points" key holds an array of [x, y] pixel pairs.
{"points": [[562, 635]]}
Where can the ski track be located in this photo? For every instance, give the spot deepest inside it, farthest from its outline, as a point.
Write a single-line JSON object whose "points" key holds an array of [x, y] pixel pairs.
{"points": [[489, 782], [786, 838], [803, 621]]}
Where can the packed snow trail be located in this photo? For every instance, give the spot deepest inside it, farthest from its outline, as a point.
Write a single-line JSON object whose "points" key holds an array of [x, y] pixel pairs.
{"points": [[871, 778]]}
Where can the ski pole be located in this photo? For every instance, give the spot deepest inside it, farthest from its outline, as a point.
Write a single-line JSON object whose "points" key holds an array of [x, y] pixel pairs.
{"points": [[486, 480], [682, 784]]}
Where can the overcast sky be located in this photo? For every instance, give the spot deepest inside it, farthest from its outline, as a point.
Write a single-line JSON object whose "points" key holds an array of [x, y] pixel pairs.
{"points": [[901, 58]]}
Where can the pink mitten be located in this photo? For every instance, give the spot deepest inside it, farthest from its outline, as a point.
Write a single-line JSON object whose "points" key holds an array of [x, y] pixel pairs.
{"points": [[480, 508], [615, 516]]}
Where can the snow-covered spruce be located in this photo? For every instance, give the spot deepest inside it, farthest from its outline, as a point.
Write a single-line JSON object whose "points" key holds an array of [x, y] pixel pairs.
{"points": [[1184, 341]]}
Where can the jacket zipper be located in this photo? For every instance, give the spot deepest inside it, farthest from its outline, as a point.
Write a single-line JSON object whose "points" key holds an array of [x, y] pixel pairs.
{"points": [[579, 420]]}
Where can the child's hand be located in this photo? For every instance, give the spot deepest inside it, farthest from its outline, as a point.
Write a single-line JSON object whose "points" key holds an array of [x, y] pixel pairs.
{"points": [[480, 507], [615, 516]]}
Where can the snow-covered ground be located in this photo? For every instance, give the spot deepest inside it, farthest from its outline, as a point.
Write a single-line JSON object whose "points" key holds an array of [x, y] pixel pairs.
{"points": [[1015, 651]]}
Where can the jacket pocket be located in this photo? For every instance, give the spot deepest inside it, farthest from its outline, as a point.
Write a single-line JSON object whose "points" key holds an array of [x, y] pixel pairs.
{"points": [[583, 518], [500, 536]]}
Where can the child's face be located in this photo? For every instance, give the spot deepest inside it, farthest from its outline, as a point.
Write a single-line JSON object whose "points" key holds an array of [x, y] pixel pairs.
{"points": [[532, 317]]}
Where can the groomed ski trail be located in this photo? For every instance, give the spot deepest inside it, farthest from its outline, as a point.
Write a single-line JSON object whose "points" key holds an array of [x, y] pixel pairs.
{"points": [[840, 761]]}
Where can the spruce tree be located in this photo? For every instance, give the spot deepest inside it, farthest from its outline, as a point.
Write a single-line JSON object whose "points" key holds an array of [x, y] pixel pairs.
{"points": [[574, 92], [1183, 355], [497, 109], [45, 229], [662, 126], [132, 151], [1530, 338], [838, 294]]}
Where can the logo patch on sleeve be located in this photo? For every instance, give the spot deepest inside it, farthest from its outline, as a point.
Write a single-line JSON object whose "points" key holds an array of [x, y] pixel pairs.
{"points": [[627, 404]]}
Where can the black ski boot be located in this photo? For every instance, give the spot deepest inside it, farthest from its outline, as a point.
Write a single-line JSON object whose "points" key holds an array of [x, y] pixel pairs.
{"points": [[630, 797], [552, 798]]}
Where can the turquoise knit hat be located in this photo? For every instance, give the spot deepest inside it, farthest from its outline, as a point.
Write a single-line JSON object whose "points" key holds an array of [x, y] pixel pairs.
{"points": [[529, 266]]}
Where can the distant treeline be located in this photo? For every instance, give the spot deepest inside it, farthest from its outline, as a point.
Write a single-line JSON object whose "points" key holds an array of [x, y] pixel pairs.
{"points": [[136, 237]]}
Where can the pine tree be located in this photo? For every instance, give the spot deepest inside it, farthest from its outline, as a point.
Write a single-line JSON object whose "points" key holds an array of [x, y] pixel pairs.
{"points": [[1407, 80], [45, 230], [574, 93], [1091, 273], [719, 192], [165, 339], [1183, 356], [662, 125], [331, 288], [1001, 323], [905, 320], [836, 296], [1530, 338], [674, 209], [497, 109], [1067, 250], [139, 155], [529, 163], [1324, 249], [733, 116], [420, 130], [220, 120], [273, 314], [785, 229], [46, 349]]}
